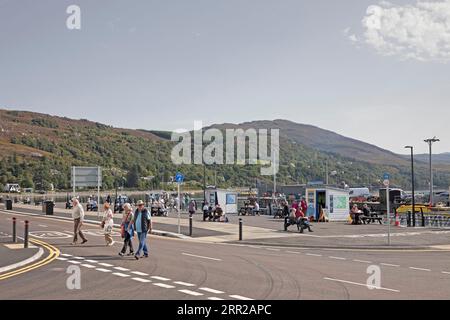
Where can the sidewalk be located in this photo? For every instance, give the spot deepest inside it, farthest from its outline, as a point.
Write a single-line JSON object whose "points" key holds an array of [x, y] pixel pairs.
{"points": [[264, 230], [14, 255]]}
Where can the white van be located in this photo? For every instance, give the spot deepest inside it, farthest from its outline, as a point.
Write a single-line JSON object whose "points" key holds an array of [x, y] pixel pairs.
{"points": [[359, 192]]}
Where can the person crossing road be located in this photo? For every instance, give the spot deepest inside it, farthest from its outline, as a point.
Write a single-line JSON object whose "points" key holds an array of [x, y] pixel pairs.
{"points": [[142, 224]]}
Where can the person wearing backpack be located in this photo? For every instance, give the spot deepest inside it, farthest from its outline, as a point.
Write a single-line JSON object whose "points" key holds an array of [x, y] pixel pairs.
{"points": [[127, 230]]}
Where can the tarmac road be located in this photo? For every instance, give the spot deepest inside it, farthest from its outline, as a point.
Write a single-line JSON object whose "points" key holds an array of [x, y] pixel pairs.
{"points": [[185, 269]]}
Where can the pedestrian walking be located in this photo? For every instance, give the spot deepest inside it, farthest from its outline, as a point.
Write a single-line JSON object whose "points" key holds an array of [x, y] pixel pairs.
{"points": [[78, 218], [127, 230], [142, 224], [107, 224], [192, 208]]}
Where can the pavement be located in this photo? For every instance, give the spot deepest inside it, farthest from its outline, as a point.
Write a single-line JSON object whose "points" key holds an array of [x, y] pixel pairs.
{"points": [[265, 230], [189, 269]]}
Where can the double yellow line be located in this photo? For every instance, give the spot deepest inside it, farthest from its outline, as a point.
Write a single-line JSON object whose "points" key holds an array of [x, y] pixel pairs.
{"points": [[53, 254]]}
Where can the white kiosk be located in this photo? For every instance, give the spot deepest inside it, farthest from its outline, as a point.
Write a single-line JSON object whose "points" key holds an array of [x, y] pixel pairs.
{"points": [[226, 198], [333, 201]]}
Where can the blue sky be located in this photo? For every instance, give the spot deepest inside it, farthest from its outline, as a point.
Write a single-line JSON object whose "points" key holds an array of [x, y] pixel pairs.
{"points": [[163, 64]]}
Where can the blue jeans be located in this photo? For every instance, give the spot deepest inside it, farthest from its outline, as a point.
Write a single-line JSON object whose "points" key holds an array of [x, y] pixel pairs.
{"points": [[142, 237]]}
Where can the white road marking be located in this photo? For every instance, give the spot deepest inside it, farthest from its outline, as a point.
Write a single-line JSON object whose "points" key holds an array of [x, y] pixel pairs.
{"points": [[293, 252], [337, 258], [103, 270], [184, 283], [139, 273], [141, 280], [78, 258], [160, 278], [105, 264], [42, 225], [90, 266], [313, 254], [390, 265], [121, 269], [360, 284], [362, 261], [66, 254], [123, 275], [272, 249], [163, 285], [92, 261], [203, 257], [211, 290], [215, 298], [420, 269], [74, 262], [445, 272], [235, 296], [192, 293], [62, 259]]}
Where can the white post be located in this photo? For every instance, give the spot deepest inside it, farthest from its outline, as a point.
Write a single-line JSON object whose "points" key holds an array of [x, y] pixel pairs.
{"points": [[73, 181], [388, 215], [179, 207]]}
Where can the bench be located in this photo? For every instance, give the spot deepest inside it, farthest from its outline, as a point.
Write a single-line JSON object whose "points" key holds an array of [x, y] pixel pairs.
{"points": [[300, 223], [372, 218]]}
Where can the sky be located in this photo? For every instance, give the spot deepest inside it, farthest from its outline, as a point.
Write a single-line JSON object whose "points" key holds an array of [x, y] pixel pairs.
{"points": [[374, 71]]}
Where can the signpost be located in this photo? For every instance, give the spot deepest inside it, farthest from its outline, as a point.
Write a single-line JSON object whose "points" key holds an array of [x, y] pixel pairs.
{"points": [[179, 179], [388, 215], [87, 177]]}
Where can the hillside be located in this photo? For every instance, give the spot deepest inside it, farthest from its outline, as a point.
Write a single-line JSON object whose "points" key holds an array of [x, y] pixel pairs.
{"points": [[38, 149]]}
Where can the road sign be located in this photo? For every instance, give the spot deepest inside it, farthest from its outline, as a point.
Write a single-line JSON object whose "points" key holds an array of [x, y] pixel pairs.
{"points": [[386, 182], [179, 177], [86, 176], [386, 176]]}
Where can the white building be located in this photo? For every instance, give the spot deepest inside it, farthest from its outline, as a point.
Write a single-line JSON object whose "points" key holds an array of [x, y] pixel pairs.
{"points": [[333, 201]]}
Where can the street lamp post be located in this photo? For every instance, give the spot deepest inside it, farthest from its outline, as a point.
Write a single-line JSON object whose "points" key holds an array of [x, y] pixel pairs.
{"points": [[430, 142], [412, 183]]}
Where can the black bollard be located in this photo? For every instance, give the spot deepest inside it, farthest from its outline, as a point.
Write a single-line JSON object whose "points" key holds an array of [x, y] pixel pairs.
{"points": [[240, 229], [190, 226], [14, 230], [285, 223], [25, 237]]}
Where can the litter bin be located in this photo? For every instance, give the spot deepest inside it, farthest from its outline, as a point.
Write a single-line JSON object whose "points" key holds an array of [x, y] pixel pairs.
{"points": [[8, 204], [49, 205]]}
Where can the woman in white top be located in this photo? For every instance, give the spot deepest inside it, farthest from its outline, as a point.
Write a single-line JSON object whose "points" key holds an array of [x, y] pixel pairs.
{"points": [[107, 224]]}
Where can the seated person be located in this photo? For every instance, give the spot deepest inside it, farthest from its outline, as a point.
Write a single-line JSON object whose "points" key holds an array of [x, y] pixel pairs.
{"points": [[218, 212], [354, 214], [366, 210]]}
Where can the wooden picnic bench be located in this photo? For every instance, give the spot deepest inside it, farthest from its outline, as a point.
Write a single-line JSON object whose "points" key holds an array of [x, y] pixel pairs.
{"points": [[374, 216]]}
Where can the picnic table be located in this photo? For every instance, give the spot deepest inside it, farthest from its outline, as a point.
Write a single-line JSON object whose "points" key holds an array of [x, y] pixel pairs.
{"points": [[372, 217]]}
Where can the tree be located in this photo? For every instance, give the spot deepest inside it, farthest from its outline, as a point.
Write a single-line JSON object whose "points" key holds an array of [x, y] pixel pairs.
{"points": [[133, 176]]}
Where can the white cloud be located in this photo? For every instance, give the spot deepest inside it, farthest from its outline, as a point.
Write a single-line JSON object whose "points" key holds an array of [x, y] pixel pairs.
{"points": [[420, 31]]}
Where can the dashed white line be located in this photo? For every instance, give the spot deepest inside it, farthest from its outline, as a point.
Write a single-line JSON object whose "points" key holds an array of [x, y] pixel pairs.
{"points": [[139, 273], [103, 270], [389, 265], [62, 259], [203, 257], [293, 252], [235, 296], [105, 264], [89, 266], [313, 254], [445, 272], [66, 254], [362, 261], [215, 298], [91, 261], [184, 283], [272, 249], [211, 290], [360, 284], [121, 269], [78, 258], [42, 225], [123, 275], [160, 278], [337, 258], [163, 285], [141, 280], [420, 269], [74, 262], [192, 293]]}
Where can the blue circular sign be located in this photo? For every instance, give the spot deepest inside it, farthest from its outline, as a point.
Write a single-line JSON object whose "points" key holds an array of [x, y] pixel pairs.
{"points": [[179, 177]]}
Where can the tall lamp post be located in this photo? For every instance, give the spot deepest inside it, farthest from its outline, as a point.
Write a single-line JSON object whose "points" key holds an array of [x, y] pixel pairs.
{"points": [[430, 142], [412, 182]]}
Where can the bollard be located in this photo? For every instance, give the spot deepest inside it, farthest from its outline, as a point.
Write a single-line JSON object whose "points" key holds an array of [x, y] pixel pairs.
{"points": [[190, 226], [285, 223], [14, 230], [408, 219], [25, 237], [240, 229]]}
